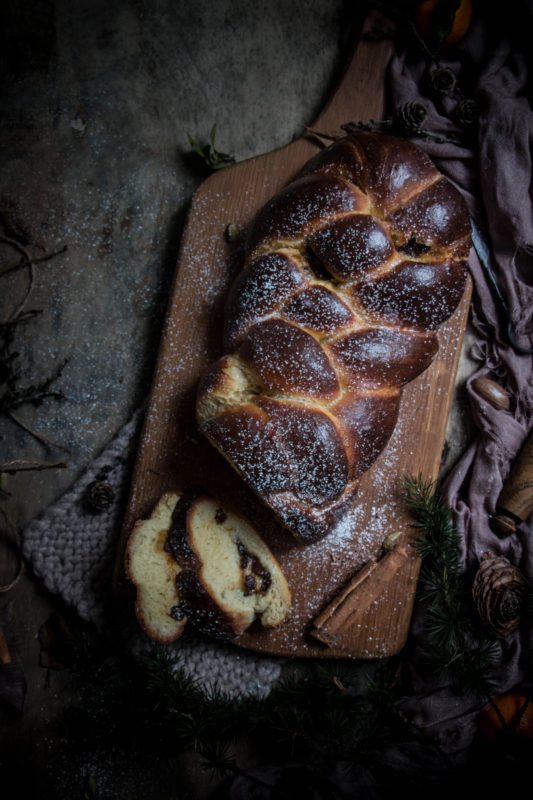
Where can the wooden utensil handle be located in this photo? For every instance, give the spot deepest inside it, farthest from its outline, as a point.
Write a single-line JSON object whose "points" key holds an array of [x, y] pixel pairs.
{"points": [[5, 655], [515, 503]]}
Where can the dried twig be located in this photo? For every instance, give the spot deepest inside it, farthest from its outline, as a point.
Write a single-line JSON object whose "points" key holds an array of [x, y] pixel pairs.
{"points": [[18, 550], [14, 466], [27, 261], [14, 396]]}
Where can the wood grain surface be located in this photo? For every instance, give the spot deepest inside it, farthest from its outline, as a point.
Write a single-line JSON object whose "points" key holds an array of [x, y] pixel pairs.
{"points": [[172, 456]]}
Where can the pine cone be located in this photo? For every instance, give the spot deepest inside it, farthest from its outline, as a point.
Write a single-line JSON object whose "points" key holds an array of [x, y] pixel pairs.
{"points": [[466, 113], [441, 81], [499, 590], [99, 496], [408, 118]]}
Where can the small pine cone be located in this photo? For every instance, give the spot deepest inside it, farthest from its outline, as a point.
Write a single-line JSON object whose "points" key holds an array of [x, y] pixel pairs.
{"points": [[99, 496], [466, 113], [441, 81], [408, 118], [499, 591]]}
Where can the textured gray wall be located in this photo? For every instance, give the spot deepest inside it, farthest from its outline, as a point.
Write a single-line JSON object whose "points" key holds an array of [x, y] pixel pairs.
{"points": [[98, 99]]}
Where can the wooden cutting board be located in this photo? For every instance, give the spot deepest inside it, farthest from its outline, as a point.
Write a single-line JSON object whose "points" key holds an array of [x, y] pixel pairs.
{"points": [[172, 455]]}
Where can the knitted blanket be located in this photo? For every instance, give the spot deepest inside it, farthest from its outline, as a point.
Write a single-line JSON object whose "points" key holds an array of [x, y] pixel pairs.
{"points": [[72, 550]]}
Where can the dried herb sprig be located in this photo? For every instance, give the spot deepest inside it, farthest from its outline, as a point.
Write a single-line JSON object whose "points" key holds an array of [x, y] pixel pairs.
{"points": [[212, 158], [406, 120], [456, 644]]}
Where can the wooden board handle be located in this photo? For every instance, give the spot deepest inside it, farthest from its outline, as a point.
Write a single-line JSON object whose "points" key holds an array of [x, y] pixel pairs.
{"points": [[370, 58]]}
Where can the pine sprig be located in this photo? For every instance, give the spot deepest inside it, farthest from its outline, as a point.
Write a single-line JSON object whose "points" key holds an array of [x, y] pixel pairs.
{"points": [[321, 718], [456, 644], [216, 758], [314, 721], [166, 684]]}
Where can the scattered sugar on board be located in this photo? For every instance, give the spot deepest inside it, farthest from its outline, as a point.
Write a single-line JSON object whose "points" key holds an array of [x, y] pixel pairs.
{"points": [[204, 267], [348, 537], [361, 533]]}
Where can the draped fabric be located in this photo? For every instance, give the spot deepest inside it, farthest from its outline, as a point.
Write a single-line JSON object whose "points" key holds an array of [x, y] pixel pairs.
{"points": [[492, 168]]}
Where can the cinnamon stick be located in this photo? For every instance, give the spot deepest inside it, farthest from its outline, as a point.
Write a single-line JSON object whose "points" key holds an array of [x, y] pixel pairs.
{"points": [[333, 626]]}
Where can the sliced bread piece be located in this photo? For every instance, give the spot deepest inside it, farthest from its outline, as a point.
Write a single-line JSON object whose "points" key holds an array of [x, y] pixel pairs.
{"points": [[229, 575], [153, 570]]}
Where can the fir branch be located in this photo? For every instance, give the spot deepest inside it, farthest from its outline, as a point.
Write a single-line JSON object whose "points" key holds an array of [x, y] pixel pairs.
{"points": [[216, 758], [167, 684], [309, 724], [456, 644]]}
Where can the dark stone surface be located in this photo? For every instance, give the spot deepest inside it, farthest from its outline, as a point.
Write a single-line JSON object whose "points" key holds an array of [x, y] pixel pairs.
{"points": [[98, 102]]}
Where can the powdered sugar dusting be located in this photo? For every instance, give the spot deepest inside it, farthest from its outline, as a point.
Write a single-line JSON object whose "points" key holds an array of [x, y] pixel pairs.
{"points": [[288, 348]]}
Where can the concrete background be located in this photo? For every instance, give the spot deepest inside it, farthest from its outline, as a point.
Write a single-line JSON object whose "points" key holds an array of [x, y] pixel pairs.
{"points": [[99, 100]]}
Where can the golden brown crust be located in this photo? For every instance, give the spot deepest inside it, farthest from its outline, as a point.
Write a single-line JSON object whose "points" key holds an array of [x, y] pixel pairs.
{"points": [[349, 272]]}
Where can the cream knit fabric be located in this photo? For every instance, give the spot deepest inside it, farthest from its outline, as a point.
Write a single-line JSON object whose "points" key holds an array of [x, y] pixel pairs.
{"points": [[72, 550]]}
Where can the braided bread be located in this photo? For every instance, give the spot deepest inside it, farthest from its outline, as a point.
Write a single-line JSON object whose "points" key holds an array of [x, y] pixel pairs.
{"points": [[349, 271]]}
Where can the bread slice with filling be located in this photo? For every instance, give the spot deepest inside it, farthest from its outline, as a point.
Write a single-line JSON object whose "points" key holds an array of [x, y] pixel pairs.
{"points": [[229, 577], [153, 570]]}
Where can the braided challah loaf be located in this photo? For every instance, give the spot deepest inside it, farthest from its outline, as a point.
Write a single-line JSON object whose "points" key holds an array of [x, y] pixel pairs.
{"points": [[349, 271]]}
